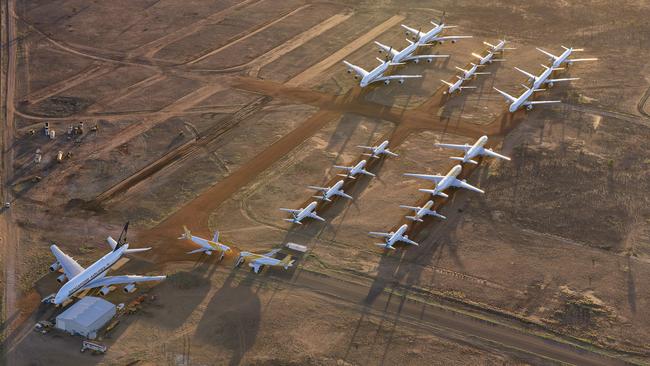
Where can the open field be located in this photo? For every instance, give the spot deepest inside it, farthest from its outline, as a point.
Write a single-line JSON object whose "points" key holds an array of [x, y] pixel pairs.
{"points": [[216, 114]]}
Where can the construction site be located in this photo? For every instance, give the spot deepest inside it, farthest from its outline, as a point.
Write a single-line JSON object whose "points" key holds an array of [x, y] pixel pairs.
{"points": [[215, 114]]}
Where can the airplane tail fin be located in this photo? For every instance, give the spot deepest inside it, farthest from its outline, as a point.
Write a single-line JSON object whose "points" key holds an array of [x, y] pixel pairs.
{"points": [[136, 250], [122, 239], [323, 198], [293, 221], [215, 238]]}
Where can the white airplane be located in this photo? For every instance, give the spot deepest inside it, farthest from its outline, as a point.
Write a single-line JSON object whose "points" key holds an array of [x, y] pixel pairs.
{"points": [[471, 73], [298, 215], [487, 59], [445, 181], [206, 246], [543, 78], [564, 57], [393, 237], [354, 170], [381, 149], [515, 103], [258, 261], [407, 53], [472, 151], [329, 192], [80, 278], [377, 74], [499, 47], [456, 87], [420, 212], [433, 36]]}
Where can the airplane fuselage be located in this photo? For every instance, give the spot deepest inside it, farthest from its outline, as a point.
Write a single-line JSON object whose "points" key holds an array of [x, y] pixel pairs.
{"points": [[427, 37], [358, 168], [334, 189], [396, 236], [562, 58], [306, 211], [475, 149], [406, 52], [94, 271], [541, 79], [455, 86], [424, 209], [374, 74], [448, 179], [520, 101], [380, 149]]}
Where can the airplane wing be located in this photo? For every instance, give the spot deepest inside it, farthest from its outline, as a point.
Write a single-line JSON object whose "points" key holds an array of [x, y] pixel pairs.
{"points": [[315, 216], [506, 95], [447, 83], [119, 280], [361, 72], [412, 30], [384, 48], [383, 235], [462, 184], [492, 154], [424, 57], [448, 38], [582, 59], [196, 251], [526, 73], [561, 79], [547, 53], [410, 207], [407, 240], [348, 168], [365, 147], [397, 77], [272, 252], [202, 242], [318, 188], [70, 267], [454, 146], [290, 210], [434, 178], [534, 102]]}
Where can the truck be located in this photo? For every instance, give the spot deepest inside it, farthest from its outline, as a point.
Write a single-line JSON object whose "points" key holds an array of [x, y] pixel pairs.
{"points": [[93, 346]]}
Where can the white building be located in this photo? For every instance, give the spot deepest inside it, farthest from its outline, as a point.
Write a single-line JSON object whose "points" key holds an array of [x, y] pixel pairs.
{"points": [[86, 316]]}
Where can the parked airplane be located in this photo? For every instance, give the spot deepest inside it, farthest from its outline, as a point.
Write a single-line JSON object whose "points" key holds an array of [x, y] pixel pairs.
{"points": [[420, 212], [377, 74], [487, 59], [381, 149], [445, 181], [258, 261], [302, 213], [393, 237], [407, 53], [471, 73], [354, 170], [472, 151], [456, 86], [433, 36], [564, 57], [80, 278], [499, 47], [329, 192], [515, 103], [543, 78], [206, 246]]}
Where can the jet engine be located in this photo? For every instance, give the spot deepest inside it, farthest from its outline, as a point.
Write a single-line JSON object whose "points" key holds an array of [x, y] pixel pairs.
{"points": [[529, 107], [62, 278], [55, 266], [407, 33], [105, 290], [401, 81], [453, 41], [349, 71], [550, 85], [130, 288], [429, 60], [208, 252], [356, 77], [417, 61]]}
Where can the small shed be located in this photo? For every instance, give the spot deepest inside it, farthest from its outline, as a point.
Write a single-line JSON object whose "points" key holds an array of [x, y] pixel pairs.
{"points": [[86, 317]]}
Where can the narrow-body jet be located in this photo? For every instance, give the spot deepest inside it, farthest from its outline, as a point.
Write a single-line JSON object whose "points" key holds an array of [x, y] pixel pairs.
{"points": [[393, 237], [444, 182], [421, 212], [206, 246], [472, 151], [354, 170], [258, 261], [377, 151], [299, 215], [328, 192], [522, 101]]}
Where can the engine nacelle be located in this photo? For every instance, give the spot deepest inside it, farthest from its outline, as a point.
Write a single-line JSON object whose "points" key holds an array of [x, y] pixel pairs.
{"points": [[380, 50], [55, 266], [62, 278], [550, 85], [407, 33], [386, 82], [356, 77], [529, 107], [130, 288], [105, 290], [208, 252], [401, 81], [453, 41], [429, 60], [349, 71]]}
